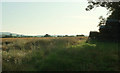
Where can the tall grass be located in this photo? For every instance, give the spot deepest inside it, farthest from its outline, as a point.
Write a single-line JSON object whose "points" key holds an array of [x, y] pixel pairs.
{"points": [[61, 54]]}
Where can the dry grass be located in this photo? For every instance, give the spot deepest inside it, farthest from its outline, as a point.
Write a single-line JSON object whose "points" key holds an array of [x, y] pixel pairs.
{"points": [[31, 38], [59, 54]]}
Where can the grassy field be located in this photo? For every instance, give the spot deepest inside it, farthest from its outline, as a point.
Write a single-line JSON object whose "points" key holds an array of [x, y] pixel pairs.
{"points": [[59, 54]]}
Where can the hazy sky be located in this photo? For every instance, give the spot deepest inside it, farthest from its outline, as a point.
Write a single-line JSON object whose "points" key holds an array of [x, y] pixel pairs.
{"points": [[39, 18]]}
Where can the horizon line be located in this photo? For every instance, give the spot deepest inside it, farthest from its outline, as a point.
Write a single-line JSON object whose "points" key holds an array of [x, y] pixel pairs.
{"points": [[40, 34]]}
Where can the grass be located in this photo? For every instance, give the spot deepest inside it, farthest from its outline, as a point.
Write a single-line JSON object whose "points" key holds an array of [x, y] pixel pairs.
{"points": [[60, 54]]}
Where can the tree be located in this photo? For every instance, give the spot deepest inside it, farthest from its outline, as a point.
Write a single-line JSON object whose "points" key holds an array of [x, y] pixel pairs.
{"points": [[47, 35], [113, 7], [111, 23], [80, 35]]}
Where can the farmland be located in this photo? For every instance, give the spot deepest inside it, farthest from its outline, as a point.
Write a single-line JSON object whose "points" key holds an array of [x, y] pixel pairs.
{"points": [[58, 54]]}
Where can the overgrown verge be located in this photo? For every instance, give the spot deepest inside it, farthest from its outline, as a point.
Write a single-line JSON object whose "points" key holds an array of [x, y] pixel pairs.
{"points": [[63, 55]]}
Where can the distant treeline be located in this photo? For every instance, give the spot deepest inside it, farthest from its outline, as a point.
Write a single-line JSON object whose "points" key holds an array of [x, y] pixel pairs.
{"points": [[9, 36], [46, 35]]}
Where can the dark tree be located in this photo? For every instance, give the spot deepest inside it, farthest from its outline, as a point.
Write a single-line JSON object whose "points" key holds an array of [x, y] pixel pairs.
{"points": [[113, 7], [47, 35], [80, 35], [109, 27]]}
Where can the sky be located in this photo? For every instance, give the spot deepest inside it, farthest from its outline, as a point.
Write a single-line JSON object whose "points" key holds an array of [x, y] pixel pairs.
{"points": [[54, 18]]}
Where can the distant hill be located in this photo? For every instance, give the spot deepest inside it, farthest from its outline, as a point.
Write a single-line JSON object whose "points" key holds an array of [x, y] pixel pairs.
{"points": [[9, 34], [5, 33]]}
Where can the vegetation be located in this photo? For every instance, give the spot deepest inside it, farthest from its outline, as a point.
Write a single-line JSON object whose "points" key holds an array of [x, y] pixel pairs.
{"points": [[47, 35], [59, 54], [65, 53], [109, 27], [10, 35]]}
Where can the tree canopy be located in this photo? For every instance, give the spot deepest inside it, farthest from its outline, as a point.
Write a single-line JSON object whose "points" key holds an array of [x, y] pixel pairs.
{"points": [[112, 23], [113, 7]]}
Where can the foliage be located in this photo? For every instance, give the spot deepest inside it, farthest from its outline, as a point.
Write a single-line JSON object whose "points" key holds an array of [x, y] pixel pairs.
{"points": [[61, 54], [113, 7], [47, 35], [111, 25]]}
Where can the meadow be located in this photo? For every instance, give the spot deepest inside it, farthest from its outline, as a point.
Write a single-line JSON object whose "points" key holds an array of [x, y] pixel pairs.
{"points": [[59, 54]]}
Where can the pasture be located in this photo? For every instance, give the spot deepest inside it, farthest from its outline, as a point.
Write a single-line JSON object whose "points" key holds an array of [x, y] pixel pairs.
{"points": [[59, 54]]}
